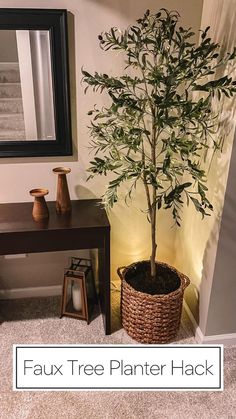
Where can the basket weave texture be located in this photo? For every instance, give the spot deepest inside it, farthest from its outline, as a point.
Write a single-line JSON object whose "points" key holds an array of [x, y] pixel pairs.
{"points": [[151, 318]]}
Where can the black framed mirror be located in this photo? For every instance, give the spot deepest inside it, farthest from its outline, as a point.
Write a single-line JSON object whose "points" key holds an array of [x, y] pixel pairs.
{"points": [[35, 115]]}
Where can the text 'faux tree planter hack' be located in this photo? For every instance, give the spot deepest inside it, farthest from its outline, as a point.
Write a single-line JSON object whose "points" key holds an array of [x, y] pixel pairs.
{"points": [[158, 127]]}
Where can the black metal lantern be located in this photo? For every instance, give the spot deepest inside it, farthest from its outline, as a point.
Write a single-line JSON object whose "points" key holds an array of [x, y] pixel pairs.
{"points": [[74, 302]]}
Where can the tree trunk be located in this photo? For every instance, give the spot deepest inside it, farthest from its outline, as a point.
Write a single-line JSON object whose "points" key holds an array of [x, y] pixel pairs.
{"points": [[152, 211], [154, 245]]}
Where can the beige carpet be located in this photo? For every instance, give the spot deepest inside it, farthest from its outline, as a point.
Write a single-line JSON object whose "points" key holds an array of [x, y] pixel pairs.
{"points": [[36, 321]]}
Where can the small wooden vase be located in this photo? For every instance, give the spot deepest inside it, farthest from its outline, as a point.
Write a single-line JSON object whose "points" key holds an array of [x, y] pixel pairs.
{"points": [[63, 203], [40, 209]]}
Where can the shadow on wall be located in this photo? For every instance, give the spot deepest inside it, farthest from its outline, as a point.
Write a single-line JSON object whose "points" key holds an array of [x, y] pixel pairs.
{"points": [[196, 242], [219, 260], [227, 40], [217, 181], [220, 35], [227, 110], [207, 274], [84, 193]]}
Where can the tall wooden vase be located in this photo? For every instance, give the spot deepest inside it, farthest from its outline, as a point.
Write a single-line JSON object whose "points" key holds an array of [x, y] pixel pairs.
{"points": [[40, 209], [63, 203]]}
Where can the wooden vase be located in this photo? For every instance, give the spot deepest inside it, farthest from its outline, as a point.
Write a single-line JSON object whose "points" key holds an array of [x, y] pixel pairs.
{"points": [[63, 203], [40, 209]]}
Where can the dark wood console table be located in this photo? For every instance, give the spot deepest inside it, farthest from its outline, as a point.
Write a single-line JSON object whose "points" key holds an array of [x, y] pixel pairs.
{"points": [[87, 227]]}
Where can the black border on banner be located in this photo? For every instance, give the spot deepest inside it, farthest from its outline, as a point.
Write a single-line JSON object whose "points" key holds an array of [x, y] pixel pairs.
{"points": [[120, 388]]}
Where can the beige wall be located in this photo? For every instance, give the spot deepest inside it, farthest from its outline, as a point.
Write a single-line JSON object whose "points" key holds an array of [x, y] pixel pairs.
{"points": [[222, 311], [196, 243], [130, 231], [219, 318]]}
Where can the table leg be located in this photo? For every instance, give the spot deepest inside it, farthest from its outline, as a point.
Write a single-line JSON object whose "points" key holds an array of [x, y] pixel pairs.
{"points": [[104, 283]]}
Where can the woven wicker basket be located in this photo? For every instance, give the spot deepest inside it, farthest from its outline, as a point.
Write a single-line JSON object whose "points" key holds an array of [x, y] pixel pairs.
{"points": [[151, 318]]}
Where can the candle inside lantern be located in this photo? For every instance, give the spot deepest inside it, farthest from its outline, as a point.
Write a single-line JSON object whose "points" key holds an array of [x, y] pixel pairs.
{"points": [[76, 297]]}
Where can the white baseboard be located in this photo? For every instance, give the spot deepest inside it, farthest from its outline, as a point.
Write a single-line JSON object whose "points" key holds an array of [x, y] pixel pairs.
{"points": [[196, 329], [190, 316], [15, 293], [225, 339]]}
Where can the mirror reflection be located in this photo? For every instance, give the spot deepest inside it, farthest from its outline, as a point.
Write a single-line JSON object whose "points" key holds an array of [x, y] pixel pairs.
{"points": [[26, 86]]}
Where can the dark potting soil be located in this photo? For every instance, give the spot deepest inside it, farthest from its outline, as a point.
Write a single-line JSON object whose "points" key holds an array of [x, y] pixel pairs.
{"points": [[139, 277]]}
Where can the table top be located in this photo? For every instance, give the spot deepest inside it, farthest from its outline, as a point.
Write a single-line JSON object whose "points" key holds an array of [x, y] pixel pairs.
{"points": [[87, 213]]}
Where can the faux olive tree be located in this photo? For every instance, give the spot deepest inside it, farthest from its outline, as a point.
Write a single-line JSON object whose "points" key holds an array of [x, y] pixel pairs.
{"points": [[160, 118]]}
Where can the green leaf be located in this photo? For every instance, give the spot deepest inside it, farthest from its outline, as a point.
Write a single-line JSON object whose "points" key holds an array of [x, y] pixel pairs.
{"points": [[150, 127], [196, 203]]}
